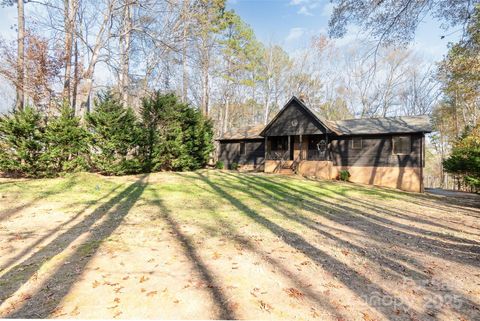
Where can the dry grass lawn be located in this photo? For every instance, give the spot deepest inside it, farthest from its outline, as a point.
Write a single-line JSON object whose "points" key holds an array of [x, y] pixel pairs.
{"points": [[224, 245]]}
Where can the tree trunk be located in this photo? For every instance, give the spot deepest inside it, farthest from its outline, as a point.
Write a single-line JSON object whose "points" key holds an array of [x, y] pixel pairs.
{"points": [[20, 55], [75, 78], [225, 115], [87, 78], [186, 24], [70, 8], [205, 82], [125, 44]]}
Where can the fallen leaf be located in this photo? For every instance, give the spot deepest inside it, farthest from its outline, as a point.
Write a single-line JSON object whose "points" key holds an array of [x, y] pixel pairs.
{"points": [[367, 317], [151, 293], [265, 306], [294, 293], [75, 311]]}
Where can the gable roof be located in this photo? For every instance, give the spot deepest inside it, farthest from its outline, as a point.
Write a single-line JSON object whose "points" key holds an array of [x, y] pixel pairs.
{"points": [[362, 126], [248, 132], [385, 125], [314, 115]]}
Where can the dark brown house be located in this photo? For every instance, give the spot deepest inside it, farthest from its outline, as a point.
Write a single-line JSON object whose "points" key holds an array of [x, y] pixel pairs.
{"points": [[379, 151]]}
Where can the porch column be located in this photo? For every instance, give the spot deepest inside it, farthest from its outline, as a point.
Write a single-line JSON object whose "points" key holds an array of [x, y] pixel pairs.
{"points": [[301, 147], [327, 150], [289, 147], [266, 148]]}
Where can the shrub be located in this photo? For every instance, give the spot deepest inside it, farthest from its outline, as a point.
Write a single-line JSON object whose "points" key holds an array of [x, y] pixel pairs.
{"points": [[177, 137], [234, 166], [465, 157], [21, 137], [116, 137], [344, 175], [66, 144], [219, 165]]}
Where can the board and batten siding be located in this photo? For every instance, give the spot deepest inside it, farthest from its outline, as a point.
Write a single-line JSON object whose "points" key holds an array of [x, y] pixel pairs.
{"points": [[376, 151], [294, 120], [230, 152]]}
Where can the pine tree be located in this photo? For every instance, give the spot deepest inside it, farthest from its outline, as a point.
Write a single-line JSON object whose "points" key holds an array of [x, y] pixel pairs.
{"points": [[465, 157], [163, 136], [197, 138], [66, 144], [116, 137], [21, 137], [177, 137]]}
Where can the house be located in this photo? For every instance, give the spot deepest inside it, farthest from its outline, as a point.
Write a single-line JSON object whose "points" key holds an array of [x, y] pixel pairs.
{"points": [[386, 151]]}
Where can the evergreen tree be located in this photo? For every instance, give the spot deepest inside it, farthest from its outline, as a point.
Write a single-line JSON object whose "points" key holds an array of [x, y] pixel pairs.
{"points": [[197, 138], [465, 157], [66, 143], [116, 137], [177, 137], [163, 140], [21, 137]]}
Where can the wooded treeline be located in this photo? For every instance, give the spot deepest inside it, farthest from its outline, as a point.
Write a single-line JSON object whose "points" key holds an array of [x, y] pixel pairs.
{"points": [[68, 50]]}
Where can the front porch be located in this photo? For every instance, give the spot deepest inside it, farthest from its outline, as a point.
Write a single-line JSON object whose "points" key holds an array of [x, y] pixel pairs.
{"points": [[306, 155], [297, 148]]}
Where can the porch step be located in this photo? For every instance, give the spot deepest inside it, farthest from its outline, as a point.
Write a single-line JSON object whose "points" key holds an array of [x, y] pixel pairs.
{"points": [[286, 171]]}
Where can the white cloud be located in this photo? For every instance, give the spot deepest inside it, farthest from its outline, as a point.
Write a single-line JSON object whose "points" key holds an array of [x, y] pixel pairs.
{"points": [[327, 9], [304, 10], [295, 34], [306, 6]]}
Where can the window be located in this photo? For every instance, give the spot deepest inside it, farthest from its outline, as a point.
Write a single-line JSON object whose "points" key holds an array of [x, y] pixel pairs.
{"points": [[357, 143], [402, 145], [242, 148], [279, 143]]}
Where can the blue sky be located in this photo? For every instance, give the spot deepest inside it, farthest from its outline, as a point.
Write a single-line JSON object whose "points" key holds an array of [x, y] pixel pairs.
{"points": [[291, 23]]}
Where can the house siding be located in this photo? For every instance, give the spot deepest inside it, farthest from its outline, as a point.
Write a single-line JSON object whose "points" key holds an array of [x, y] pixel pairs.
{"points": [[229, 152], [376, 151], [303, 123]]}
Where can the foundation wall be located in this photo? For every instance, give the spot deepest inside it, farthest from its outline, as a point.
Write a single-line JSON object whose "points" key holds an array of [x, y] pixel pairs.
{"points": [[404, 178], [273, 166], [319, 169]]}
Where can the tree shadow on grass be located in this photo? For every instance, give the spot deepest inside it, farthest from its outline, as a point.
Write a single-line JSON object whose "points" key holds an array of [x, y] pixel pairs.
{"points": [[99, 225], [37, 242], [225, 312], [228, 231], [321, 201], [357, 283], [9, 212], [263, 192]]}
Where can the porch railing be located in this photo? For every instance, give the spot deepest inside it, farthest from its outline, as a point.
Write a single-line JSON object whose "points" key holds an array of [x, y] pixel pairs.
{"points": [[315, 154], [278, 155]]}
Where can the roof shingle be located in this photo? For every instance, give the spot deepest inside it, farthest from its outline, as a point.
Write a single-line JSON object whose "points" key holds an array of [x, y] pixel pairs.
{"points": [[386, 125], [249, 132]]}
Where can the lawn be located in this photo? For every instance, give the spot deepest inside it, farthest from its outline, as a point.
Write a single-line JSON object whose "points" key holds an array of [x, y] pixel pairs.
{"points": [[219, 244]]}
